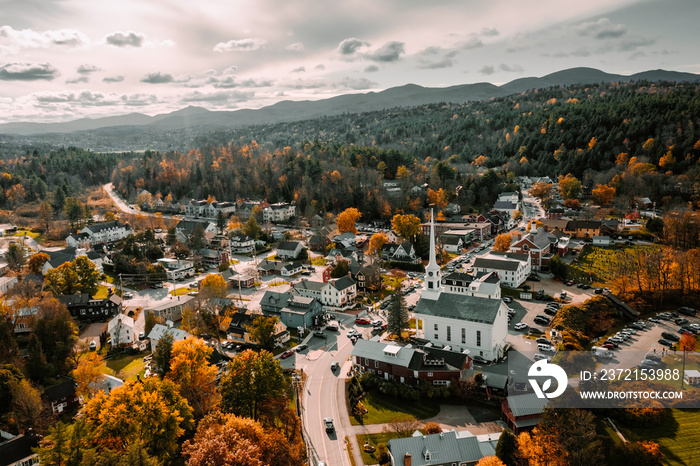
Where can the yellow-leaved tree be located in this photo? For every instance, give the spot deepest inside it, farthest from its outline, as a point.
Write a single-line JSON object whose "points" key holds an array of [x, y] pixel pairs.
{"points": [[405, 225], [88, 374], [191, 371], [376, 242], [502, 242], [213, 286]]}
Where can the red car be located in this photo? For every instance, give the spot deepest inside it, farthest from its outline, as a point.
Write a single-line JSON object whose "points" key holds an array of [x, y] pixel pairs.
{"points": [[362, 321], [287, 354], [609, 346]]}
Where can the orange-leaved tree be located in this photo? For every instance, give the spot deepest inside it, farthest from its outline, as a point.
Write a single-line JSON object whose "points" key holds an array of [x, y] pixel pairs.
{"points": [[502, 242], [376, 242], [88, 374], [490, 461], [213, 286], [603, 194], [191, 371], [347, 220]]}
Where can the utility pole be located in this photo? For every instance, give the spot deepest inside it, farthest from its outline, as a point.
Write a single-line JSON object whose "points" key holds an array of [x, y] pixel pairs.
{"points": [[121, 294]]}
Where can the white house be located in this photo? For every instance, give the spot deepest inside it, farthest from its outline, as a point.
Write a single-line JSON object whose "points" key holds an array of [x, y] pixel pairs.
{"points": [[308, 289], [403, 252], [205, 209], [481, 285], [177, 268], [280, 212], [512, 268], [452, 244], [289, 250], [241, 244], [171, 309], [339, 294], [158, 331], [6, 284], [456, 321], [291, 268], [121, 330], [106, 232]]}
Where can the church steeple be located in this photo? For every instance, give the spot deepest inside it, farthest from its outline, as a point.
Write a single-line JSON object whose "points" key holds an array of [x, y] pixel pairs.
{"points": [[432, 284]]}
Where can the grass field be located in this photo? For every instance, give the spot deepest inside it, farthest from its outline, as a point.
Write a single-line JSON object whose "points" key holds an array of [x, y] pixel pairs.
{"points": [[181, 291], [31, 234], [391, 283], [678, 437], [382, 409], [375, 440], [126, 367], [599, 262]]}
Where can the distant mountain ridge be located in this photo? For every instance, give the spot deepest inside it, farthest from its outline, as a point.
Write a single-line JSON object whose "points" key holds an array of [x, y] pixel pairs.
{"points": [[285, 111]]}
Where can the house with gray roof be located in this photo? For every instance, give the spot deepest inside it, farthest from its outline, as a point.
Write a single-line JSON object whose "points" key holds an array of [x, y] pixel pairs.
{"points": [[171, 309], [403, 252], [444, 449], [480, 284], [512, 268], [292, 310], [107, 232], [339, 294], [308, 288], [409, 365], [538, 245], [289, 250], [185, 228], [159, 329]]}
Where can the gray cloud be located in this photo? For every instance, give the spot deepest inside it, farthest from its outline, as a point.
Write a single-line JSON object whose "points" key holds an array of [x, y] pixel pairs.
{"points": [[296, 47], [356, 83], [489, 32], [487, 70], [220, 96], [601, 29], [509, 68], [28, 38], [472, 42], [387, 53], [351, 45], [113, 79], [28, 72], [320, 66], [78, 79], [87, 98], [230, 81], [157, 78], [371, 69], [126, 39], [242, 45], [632, 43], [300, 69], [434, 57], [87, 69]]}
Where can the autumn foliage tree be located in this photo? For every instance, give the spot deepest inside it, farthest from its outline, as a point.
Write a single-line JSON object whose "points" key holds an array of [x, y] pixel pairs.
{"points": [[376, 242], [569, 187], [227, 439], [502, 242], [490, 461], [151, 411], [195, 377], [603, 194], [347, 220], [88, 374], [36, 262], [541, 190], [213, 286], [405, 225]]}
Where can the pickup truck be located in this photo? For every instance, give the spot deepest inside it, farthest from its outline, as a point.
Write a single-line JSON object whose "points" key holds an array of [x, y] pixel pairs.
{"points": [[329, 424]]}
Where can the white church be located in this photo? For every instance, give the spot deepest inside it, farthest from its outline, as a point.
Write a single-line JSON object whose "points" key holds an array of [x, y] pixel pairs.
{"points": [[457, 320]]}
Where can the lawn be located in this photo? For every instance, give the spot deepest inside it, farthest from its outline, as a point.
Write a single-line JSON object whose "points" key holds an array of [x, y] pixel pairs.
{"points": [[678, 437], [375, 440], [382, 409], [599, 262], [31, 234], [391, 283], [182, 290], [126, 367], [318, 261]]}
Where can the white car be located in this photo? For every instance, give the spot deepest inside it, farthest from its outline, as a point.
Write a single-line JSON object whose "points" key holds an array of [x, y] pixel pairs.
{"points": [[520, 326], [352, 332]]}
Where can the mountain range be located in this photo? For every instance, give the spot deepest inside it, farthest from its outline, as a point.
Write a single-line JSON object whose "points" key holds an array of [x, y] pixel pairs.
{"points": [[407, 95]]}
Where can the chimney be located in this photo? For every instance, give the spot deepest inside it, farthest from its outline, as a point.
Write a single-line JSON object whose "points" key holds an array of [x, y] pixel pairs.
{"points": [[407, 459], [349, 274]]}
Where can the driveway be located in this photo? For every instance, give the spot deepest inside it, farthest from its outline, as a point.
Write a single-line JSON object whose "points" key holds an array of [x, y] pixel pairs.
{"points": [[92, 332]]}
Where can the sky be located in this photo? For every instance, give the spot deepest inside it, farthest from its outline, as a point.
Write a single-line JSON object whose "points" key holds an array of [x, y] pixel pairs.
{"points": [[62, 60]]}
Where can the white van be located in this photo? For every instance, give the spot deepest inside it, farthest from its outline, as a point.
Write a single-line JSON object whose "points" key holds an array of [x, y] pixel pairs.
{"points": [[545, 347]]}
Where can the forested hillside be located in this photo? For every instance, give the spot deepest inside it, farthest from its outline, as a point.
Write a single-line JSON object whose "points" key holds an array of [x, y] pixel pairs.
{"points": [[640, 137]]}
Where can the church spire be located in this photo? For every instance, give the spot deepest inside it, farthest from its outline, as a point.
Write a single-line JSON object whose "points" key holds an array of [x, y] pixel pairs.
{"points": [[433, 278]]}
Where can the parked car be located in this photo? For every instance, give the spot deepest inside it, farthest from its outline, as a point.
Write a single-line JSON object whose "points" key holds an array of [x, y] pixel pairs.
{"points": [[539, 356], [479, 360], [544, 340], [93, 345], [541, 317], [332, 327], [670, 336], [319, 333], [654, 319], [507, 299], [681, 321], [609, 346], [650, 362], [127, 295], [548, 348], [302, 347], [550, 311], [689, 311], [598, 291], [520, 326], [287, 354], [362, 320], [142, 335], [653, 357], [610, 342], [535, 331], [665, 342]]}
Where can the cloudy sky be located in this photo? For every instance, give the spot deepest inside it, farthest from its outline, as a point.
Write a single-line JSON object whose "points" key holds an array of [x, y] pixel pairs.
{"points": [[67, 59]]}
